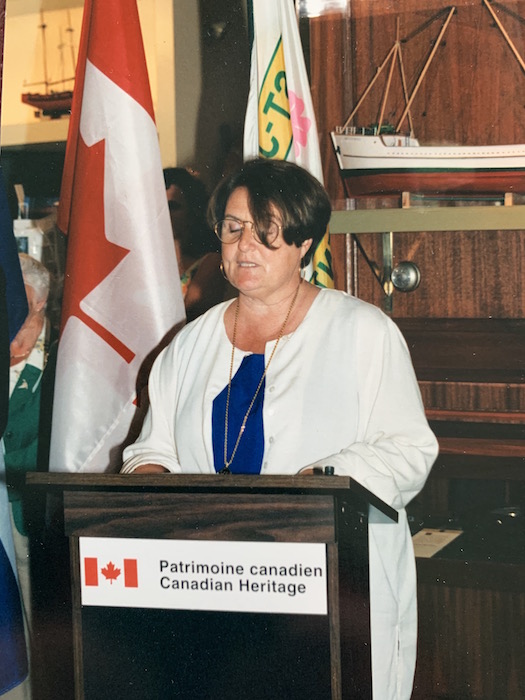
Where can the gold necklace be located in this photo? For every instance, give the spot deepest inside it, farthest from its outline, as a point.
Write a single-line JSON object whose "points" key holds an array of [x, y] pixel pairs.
{"points": [[227, 462]]}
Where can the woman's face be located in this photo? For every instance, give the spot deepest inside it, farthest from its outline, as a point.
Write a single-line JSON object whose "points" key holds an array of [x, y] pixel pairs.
{"points": [[251, 267]]}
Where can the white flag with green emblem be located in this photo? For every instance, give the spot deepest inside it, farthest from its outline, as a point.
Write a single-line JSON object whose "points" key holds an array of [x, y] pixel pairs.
{"points": [[280, 121]]}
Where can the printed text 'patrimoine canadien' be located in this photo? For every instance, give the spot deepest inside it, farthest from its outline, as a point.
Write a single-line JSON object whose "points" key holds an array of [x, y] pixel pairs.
{"points": [[275, 577]]}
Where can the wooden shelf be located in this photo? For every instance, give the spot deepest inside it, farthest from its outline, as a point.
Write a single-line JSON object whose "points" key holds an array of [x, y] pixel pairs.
{"points": [[479, 468], [486, 217], [482, 447], [491, 417]]}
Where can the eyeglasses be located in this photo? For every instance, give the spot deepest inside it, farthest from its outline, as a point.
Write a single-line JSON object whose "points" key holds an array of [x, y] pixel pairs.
{"points": [[230, 230]]}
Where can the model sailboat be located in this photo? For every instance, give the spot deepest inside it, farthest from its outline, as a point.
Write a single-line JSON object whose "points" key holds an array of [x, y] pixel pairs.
{"points": [[381, 159], [52, 102]]}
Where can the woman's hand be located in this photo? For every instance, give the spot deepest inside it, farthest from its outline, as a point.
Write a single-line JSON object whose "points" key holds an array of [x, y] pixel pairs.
{"points": [[311, 471], [150, 469]]}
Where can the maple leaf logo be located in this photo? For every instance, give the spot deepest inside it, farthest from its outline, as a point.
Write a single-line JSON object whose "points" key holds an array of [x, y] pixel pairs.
{"points": [[90, 253], [111, 572]]}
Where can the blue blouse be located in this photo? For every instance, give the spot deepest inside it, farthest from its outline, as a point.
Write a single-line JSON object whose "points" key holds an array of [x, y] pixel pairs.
{"points": [[249, 455]]}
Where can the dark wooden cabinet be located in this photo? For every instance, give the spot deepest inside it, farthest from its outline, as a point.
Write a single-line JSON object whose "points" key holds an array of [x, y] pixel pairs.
{"points": [[471, 372], [472, 597], [471, 632], [472, 594], [464, 324]]}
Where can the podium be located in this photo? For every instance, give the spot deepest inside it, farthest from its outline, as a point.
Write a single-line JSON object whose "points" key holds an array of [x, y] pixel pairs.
{"points": [[218, 586]]}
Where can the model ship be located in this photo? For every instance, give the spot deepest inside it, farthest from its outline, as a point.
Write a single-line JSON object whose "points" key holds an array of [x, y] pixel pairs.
{"points": [[382, 160], [51, 102]]}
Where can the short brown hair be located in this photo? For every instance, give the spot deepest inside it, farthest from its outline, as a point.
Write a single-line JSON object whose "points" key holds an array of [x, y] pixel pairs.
{"points": [[299, 197]]}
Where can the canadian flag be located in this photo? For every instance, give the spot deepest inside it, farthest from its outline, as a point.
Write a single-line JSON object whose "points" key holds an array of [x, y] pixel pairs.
{"points": [[110, 572], [122, 292]]}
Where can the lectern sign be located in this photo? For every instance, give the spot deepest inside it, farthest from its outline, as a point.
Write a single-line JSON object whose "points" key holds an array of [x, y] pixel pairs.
{"points": [[271, 577]]}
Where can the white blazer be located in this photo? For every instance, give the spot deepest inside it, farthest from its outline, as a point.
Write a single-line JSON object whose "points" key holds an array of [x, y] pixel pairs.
{"points": [[340, 391]]}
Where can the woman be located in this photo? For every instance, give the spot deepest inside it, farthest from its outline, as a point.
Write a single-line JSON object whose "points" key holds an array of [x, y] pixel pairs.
{"points": [[251, 387], [26, 438], [198, 258], [29, 352]]}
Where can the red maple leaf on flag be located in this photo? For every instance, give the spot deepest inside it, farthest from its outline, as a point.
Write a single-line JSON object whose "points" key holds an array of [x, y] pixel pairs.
{"points": [[111, 572], [90, 253]]}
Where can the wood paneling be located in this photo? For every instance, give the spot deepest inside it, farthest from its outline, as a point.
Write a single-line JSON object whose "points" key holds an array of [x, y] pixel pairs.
{"points": [[473, 274], [471, 96], [330, 65], [457, 626], [472, 396], [471, 365], [463, 323], [463, 98], [331, 74]]}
